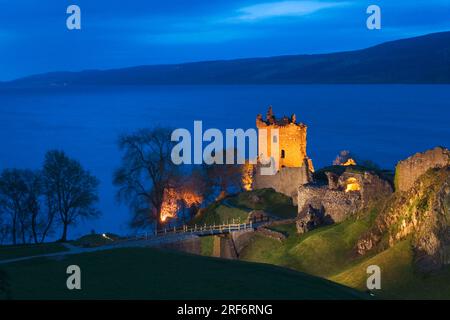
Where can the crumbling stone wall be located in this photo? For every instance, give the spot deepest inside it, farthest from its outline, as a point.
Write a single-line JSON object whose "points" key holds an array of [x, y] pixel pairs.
{"points": [[325, 204], [285, 181], [410, 169], [336, 204]]}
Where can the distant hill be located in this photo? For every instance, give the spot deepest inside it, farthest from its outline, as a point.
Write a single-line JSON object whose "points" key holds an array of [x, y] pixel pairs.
{"points": [[424, 59]]}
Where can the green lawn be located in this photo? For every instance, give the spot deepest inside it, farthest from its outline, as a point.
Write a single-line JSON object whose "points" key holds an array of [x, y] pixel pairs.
{"points": [[271, 201], [220, 214], [237, 207], [207, 245], [144, 273], [18, 251], [321, 252]]}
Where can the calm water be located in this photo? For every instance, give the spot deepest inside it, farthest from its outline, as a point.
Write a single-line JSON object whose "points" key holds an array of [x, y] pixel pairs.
{"points": [[381, 123]]}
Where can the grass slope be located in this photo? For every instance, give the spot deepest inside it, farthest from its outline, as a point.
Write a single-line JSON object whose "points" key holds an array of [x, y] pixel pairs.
{"points": [[321, 252], [237, 207], [19, 251], [399, 279], [144, 273], [327, 252]]}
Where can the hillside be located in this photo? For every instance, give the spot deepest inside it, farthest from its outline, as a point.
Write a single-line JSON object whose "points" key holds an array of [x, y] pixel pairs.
{"points": [[144, 273], [239, 206], [327, 252], [424, 59], [408, 234]]}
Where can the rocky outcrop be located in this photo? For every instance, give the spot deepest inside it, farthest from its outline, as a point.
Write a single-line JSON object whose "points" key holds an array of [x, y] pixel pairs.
{"points": [[422, 213], [344, 196], [312, 218], [410, 169]]}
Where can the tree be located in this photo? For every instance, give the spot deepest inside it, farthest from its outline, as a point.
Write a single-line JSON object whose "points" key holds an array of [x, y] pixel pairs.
{"points": [[224, 178], [145, 173], [4, 230], [71, 190], [13, 200], [40, 206]]}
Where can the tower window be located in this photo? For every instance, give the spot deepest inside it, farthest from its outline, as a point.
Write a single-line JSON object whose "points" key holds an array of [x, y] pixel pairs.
{"points": [[283, 154]]}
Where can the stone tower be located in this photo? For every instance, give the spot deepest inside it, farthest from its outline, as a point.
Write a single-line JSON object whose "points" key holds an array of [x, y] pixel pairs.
{"points": [[292, 139]]}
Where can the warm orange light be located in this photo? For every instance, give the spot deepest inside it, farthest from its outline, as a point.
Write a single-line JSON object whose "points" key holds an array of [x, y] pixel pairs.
{"points": [[349, 162], [247, 177], [352, 185], [173, 200]]}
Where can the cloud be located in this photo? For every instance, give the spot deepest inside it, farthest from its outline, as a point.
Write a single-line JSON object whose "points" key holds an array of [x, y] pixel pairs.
{"points": [[282, 8]]}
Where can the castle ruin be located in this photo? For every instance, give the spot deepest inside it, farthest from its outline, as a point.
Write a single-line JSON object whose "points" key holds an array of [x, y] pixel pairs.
{"points": [[295, 167]]}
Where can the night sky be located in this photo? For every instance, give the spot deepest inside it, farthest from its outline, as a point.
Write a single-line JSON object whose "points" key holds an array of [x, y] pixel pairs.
{"points": [[34, 37]]}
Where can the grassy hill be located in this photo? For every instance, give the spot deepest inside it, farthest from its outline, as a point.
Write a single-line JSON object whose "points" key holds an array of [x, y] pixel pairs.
{"points": [[19, 251], [328, 252], [322, 252], [238, 207], [144, 273]]}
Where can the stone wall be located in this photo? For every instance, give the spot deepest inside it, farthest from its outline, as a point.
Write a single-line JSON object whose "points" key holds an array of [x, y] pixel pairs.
{"points": [[325, 204], [336, 204], [271, 233], [190, 245], [285, 181], [408, 170], [241, 239], [224, 247]]}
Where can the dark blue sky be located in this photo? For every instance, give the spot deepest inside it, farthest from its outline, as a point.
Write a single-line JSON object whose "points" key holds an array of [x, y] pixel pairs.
{"points": [[118, 33]]}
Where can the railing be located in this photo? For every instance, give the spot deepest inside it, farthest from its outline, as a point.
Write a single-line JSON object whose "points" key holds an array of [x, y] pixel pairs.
{"points": [[207, 229], [203, 229]]}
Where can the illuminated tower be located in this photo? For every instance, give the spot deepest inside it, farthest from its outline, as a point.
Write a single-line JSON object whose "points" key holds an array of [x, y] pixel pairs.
{"points": [[292, 140]]}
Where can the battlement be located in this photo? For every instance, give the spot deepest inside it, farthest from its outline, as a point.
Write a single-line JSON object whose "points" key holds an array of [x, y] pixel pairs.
{"points": [[272, 121], [292, 139]]}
